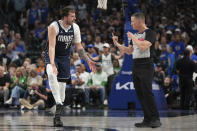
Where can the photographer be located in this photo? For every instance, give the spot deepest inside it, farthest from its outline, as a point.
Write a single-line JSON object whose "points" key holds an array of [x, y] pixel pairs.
{"points": [[36, 98]]}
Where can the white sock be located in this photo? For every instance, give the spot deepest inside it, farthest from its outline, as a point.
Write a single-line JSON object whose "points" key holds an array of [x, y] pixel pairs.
{"points": [[53, 83], [62, 87]]}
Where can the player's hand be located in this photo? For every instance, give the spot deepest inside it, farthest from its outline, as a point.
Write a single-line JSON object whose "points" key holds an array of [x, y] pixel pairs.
{"points": [[130, 35], [54, 69], [92, 65]]}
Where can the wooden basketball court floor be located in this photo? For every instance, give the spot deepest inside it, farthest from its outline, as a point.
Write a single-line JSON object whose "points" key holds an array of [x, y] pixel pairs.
{"points": [[93, 120]]}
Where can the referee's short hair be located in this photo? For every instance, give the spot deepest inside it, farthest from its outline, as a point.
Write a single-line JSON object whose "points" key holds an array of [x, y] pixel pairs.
{"points": [[66, 10], [139, 15]]}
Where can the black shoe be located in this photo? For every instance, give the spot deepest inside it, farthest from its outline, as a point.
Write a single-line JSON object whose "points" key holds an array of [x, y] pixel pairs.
{"points": [[155, 123], [57, 122], [143, 124], [59, 109]]}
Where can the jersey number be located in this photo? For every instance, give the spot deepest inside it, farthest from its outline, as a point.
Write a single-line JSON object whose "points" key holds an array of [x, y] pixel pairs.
{"points": [[67, 45]]}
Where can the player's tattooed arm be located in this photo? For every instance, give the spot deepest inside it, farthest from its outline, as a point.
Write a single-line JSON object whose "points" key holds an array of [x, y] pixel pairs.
{"points": [[83, 54]]}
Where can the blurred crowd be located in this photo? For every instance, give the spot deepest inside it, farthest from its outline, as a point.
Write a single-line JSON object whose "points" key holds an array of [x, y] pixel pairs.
{"points": [[23, 35]]}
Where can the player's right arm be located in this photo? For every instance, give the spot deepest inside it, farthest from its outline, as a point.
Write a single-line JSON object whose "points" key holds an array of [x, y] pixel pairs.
{"points": [[128, 50], [52, 43]]}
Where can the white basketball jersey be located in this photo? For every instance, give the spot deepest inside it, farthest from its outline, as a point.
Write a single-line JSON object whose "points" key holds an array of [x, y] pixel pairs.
{"points": [[107, 65]]}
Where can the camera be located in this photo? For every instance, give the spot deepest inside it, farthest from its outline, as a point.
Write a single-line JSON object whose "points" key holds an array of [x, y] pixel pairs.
{"points": [[31, 92]]}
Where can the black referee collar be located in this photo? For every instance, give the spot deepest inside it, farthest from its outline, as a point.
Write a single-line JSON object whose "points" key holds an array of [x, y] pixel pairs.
{"points": [[143, 31]]}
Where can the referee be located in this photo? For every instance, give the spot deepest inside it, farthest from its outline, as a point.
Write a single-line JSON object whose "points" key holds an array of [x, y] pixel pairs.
{"points": [[142, 48]]}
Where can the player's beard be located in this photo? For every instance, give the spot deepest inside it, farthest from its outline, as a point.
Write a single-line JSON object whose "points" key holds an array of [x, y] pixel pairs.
{"points": [[70, 22]]}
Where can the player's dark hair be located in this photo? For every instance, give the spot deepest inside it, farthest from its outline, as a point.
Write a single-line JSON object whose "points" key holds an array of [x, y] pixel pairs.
{"points": [[139, 15], [66, 10]]}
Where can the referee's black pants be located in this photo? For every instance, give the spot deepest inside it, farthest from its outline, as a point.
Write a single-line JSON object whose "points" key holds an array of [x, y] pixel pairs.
{"points": [[142, 78]]}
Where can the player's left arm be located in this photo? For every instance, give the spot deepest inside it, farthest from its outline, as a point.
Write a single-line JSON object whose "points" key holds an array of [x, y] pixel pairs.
{"points": [[77, 41], [82, 52], [143, 44], [80, 49], [83, 55]]}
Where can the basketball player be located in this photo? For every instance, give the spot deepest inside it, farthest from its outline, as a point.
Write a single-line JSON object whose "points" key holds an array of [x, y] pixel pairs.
{"points": [[61, 34], [142, 49]]}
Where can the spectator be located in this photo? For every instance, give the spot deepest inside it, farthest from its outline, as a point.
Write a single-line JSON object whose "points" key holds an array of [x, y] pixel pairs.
{"points": [[18, 45], [5, 34], [4, 38], [19, 6], [26, 63], [82, 83], [12, 70], [185, 68], [98, 43], [24, 71], [4, 85], [97, 82], [50, 99], [177, 46], [72, 66], [88, 39], [36, 98], [157, 51], [76, 58], [44, 10], [159, 74], [28, 60], [82, 10], [33, 14], [107, 59], [28, 70], [169, 91], [164, 56], [110, 78], [171, 61], [91, 50], [41, 68], [13, 55], [12, 35], [34, 78], [1, 41], [18, 85], [170, 25], [4, 59], [40, 31], [116, 66], [192, 55], [33, 46]]}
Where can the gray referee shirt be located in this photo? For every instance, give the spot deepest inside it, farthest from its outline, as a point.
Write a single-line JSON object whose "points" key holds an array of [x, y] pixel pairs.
{"points": [[148, 35]]}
